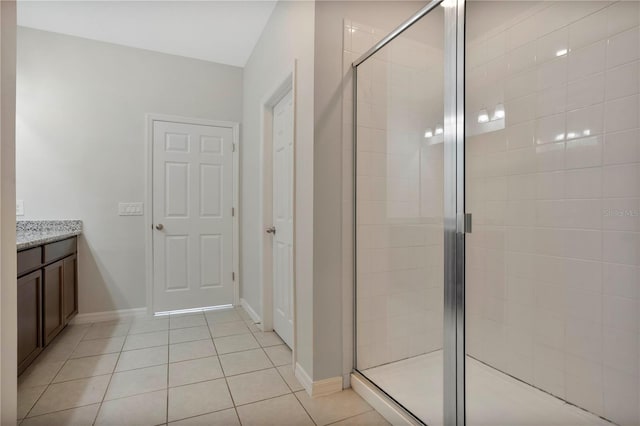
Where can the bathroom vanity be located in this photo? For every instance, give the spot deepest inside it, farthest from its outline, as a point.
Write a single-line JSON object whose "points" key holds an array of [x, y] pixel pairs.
{"points": [[47, 283]]}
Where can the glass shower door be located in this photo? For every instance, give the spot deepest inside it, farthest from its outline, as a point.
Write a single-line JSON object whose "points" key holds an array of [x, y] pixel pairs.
{"points": [[400, 181]]}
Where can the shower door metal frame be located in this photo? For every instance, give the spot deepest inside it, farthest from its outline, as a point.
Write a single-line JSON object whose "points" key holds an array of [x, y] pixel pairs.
{"points": [[454, 213]]}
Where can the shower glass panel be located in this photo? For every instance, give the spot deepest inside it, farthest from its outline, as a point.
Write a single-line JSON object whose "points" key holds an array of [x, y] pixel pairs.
{"points": [[552, 179], [399, 219]]}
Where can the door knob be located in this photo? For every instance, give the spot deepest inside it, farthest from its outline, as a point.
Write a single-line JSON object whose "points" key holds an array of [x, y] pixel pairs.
{"points": [[271, 230], [159, 227]]}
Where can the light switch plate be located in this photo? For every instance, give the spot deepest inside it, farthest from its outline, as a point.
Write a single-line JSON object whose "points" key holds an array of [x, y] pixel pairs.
{"points": [[19, 208], [130, 209]]}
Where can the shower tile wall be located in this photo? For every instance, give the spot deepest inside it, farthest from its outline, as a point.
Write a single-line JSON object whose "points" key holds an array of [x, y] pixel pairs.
{"points": [[399, 184], [553, 263]]}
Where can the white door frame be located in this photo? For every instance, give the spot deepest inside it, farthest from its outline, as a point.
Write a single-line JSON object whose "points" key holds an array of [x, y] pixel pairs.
{"points": [[148, 210], [286, 83]]}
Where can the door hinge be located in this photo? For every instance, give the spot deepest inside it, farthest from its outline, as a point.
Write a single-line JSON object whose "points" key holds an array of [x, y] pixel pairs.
{"points": [[467, 223], [234, 147], [233, 276], [233, 211]]}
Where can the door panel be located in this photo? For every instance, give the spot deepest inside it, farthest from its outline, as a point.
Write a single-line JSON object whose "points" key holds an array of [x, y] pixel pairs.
{"points": [[192, 200], [29, 319], [52, 300], [283, 218]]}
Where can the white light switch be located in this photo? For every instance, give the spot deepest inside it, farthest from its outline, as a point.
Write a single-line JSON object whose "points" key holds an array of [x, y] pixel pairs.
{"points": [[19, 208], [130, 209]]}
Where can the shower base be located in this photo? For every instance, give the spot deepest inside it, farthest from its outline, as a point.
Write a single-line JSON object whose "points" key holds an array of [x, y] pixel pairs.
{"points": [[493, 398]]}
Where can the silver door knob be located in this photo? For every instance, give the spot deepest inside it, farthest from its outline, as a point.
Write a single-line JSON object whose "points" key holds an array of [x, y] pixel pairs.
{"points": [[271, 230], [159, 227]]}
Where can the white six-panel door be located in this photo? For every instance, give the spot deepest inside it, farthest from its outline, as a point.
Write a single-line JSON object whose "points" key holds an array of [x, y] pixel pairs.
{"points": [[283, 218], [192, 216]]}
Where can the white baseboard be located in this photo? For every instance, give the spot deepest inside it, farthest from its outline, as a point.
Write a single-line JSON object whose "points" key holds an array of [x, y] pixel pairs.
{"points": [[304, 379], [319, 387], [247, 307], [109, 315], [386, 409], [327, 386]]}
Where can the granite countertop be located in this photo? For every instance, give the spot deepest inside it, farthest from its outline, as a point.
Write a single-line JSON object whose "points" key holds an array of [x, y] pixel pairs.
{"points": [[32, 233]]}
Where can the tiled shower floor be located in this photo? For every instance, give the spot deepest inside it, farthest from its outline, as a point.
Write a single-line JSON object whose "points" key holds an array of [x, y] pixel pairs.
{"points": [[198, 369], [493, 398]]}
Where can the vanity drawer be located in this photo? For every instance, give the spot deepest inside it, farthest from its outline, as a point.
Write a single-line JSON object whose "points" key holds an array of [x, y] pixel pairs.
{"points": [[59, 249], [29, 259]]}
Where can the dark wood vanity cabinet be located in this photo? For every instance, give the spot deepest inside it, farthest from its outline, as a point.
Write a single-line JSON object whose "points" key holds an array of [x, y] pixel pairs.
{"points": [[29, 318], [47, 295]]}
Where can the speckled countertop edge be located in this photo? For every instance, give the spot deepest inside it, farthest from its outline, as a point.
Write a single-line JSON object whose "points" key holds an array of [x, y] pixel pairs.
{"points": [[32, 233]]}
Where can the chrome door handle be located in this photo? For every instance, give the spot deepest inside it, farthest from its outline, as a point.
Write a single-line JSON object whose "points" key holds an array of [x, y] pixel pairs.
{"points": [[159, 227], [271, 230]]}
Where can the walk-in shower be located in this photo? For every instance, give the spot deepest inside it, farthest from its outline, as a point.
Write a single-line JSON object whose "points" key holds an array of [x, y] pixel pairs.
{"points": [[497, 212]]}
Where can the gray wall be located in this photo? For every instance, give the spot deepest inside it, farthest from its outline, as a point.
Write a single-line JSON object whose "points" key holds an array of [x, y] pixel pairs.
{"points": [[81, 108], [287, 37]]}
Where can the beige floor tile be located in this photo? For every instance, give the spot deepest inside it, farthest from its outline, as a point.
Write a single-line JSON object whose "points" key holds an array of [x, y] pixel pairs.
{"points": [[189, 334], [72, 334], [76, 393], [133, 382], [370, 418], [184, 321], [90, 366], [287, 373], [149, 325], [146, 340], [98, 347], [256, 386], [240, 342], [195, 370], [268, 338], [253, 327], [217, 317], [146, 409], [244, 362], [284, 410], [197, 399], [280, 355], [56, 352], [334, 407], [226, 417], [39, 373], [81, 416], [27, 396], [140, 358], [99, 331], [228, 328], [243, 314], [191, 350]]}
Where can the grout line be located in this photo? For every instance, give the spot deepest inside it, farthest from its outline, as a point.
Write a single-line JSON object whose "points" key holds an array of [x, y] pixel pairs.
{"points": [[224, 376], [108, 384]]}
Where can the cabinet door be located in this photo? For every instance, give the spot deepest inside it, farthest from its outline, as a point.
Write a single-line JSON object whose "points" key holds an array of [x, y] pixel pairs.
{"points": [[53, 314], [29, 319], [70, 287]]}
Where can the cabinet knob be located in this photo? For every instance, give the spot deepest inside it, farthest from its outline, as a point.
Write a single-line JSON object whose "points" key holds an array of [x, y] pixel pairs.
{"points": [[159, 227]]}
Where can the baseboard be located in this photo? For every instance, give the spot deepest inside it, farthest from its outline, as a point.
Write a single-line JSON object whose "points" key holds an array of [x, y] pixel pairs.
{"points": [[327, 386], [304, 379], [319, 387], [109, 315], [247, 307], [374, 397]]}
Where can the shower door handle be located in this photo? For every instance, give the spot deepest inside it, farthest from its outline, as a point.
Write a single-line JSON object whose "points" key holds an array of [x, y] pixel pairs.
{"points": [[467, 223]]}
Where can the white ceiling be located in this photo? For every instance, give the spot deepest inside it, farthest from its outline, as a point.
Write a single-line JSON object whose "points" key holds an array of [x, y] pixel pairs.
{"points": [[217, 31]]}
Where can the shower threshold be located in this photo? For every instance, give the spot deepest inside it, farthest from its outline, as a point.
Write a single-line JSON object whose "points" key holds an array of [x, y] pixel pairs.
{"points": [[493, 398]]}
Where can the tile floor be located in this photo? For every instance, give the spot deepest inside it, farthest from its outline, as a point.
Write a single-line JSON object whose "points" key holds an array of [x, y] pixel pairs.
{"points": [[213, 368], [493, 398]]}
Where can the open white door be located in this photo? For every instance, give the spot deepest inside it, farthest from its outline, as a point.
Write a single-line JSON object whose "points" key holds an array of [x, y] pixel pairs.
{"points": [[282, 229], [192, 216]]}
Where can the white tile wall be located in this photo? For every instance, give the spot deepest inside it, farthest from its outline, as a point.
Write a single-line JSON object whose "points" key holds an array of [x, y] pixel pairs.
{"points": [[399, 184], [553, 264]]}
